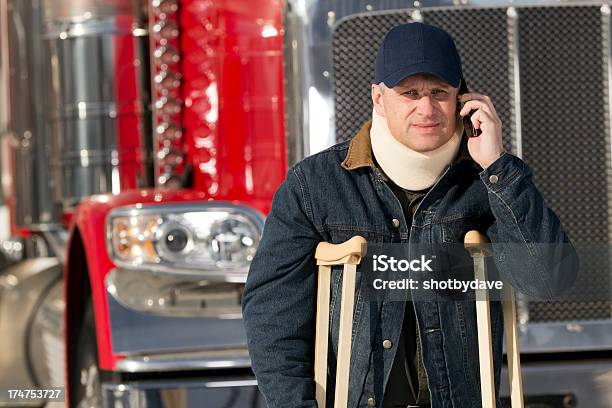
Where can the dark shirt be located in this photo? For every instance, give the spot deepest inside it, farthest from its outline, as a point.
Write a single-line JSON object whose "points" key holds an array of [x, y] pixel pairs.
{"points": [[407, 383]]}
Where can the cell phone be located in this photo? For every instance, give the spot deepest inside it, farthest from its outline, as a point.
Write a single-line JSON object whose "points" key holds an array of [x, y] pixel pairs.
{"points": [[470, 130]]}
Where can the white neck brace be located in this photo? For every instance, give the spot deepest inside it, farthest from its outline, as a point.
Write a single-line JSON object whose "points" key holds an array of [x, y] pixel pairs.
{"points": [[408, 168]]}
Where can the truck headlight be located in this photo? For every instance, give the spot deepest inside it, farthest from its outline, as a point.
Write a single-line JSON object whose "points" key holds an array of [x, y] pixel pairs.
{"points": [[194, 238]]}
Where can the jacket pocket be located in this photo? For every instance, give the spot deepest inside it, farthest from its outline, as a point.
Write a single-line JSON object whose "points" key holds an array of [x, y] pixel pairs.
{"points": [[454, 231]]}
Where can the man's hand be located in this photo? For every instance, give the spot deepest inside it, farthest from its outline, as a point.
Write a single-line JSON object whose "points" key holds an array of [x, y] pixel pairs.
{"points": [[487, 147]]}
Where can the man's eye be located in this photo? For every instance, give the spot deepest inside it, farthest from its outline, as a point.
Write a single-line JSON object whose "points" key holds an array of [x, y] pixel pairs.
{"points": [[411, 93], [440, 94]]}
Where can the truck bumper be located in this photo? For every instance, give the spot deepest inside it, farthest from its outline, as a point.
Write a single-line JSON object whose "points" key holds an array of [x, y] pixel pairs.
{"points": [[231, 392], [586, 383]]}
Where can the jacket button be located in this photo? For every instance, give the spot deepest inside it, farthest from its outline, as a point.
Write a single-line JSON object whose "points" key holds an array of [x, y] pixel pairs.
{"points": [[371, 402], [395, 222], [387, 344], [493, 179]]}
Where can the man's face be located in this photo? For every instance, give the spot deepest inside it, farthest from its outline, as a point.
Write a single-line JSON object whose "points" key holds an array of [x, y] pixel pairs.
{"points": [[420, 111]]}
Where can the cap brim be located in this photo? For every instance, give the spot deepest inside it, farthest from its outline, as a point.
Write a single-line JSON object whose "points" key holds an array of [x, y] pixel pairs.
{"points": [[422, 68]]}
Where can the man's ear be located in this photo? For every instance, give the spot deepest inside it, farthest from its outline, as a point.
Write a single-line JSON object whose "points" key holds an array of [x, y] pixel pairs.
{"points": [[377, 99]]}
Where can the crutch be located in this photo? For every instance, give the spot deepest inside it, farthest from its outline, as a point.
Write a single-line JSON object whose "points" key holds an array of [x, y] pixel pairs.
{"points": [[479, 248], [349, 254]]}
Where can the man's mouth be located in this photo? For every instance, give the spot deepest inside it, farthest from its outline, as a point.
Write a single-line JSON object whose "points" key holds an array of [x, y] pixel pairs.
{"points": [[428, 128]]}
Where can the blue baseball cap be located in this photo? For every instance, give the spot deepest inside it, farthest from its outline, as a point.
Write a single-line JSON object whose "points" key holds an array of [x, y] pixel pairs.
{"points": [[417, 48]]}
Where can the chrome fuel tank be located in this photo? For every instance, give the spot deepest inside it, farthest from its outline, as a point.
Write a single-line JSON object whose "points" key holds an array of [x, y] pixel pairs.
{"points": [[98, 113], [78, 102]]}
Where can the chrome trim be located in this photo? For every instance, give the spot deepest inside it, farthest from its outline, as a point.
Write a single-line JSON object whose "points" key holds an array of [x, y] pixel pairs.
{"points": [[229, 275], [56, 240], [22, 137], [84, 110], [566, 336], [314, 68], [204, 360], [533, 3], [607, 55], [85, 10], [515, 77], [135, 333], [606, 16], [228, 392], [416, 15], [4, 71], [236, 275], [5, 176], [72, 30], [296, 117], [516, 135], [29, 77], [146, 292], [589, 381], [243, 383]]}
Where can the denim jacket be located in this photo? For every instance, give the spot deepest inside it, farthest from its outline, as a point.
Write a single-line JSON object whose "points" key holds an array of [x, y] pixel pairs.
{"points": [[338, 193]]}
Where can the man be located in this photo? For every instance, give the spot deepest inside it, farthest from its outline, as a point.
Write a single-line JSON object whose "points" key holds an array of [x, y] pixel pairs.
{"points": [[409, 176]]}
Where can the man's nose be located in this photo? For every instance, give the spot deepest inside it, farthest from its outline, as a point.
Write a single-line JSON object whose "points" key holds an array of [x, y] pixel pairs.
{"points": [[426, 105]]}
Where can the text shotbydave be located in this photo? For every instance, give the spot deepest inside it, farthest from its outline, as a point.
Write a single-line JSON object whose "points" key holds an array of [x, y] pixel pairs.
{"points": [[432, 284]]}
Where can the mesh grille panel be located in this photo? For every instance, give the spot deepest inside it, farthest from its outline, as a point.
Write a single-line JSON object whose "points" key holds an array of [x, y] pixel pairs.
{"points": [[564, 138], [563, 114], [354, 45]]}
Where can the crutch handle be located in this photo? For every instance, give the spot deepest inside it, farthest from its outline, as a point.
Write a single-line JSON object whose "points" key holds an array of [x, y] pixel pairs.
{"points": [[349, 252], [477, 244]]}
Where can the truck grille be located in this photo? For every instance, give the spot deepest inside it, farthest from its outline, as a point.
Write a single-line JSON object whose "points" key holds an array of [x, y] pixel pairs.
{"points": [[564, 111], [565, 140]]}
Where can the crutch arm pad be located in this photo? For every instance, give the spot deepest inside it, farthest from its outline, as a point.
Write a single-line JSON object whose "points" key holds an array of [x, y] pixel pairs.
{"points": [[350, 252], [477, 244]]}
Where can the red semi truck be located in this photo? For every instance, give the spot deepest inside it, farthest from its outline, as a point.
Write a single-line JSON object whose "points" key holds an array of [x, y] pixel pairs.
{"points": [[143, 141], [151, 136]]}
